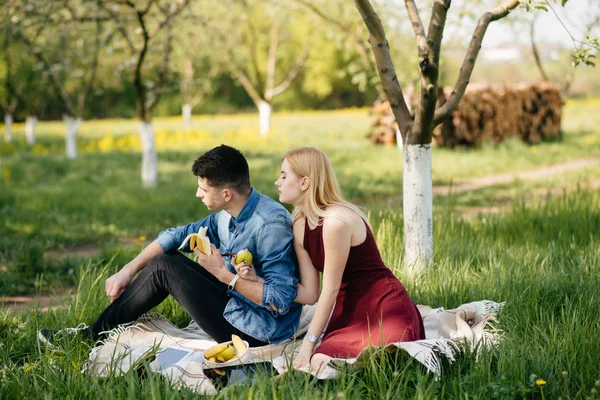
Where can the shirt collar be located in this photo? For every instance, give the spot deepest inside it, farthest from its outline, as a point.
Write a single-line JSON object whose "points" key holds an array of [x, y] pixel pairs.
{"points": [[248, 209]]}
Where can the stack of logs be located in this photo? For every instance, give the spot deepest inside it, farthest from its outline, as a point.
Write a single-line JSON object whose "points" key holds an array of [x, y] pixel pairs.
{"points": [[489, 113]]}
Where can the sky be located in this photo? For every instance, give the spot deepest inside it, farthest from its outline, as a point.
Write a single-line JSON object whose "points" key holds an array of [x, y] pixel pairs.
{"points": [[548, 27]]}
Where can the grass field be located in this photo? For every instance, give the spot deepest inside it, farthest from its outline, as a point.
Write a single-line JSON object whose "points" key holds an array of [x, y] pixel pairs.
{"points": [[540, 254]]}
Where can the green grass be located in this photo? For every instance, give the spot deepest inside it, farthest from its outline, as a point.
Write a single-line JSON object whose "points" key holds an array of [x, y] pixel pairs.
{"points": [[543, 261], [50, 203], [541, 255]]}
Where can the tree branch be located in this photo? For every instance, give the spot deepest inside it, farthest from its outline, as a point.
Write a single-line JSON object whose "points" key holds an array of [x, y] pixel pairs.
{"points": [[469, 62], [140, 92], [300, 61], [252, 92], [429, 68], [238, 71], [162, 73], [91, 75], [354, 35], [385, 67], [415, 19], [253, 53], [535, 51], [271, 61], [168, 17], [115, 17]]}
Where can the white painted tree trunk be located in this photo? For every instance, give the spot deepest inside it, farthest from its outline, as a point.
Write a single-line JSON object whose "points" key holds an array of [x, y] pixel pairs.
{"points": [[8, 123], [30, 123], [149, 157], [264, 115], [418, 218], [73, 125], [186, 113]]}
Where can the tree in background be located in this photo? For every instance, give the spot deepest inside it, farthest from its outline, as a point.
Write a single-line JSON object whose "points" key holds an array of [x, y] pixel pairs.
{"points": [[265, 48], [68, 54], [195, 67], [25, 78], [139, 26], [10, 88], [417, 130]]}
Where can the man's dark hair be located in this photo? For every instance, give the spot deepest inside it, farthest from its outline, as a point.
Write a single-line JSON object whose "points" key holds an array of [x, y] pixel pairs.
{"points": [[224, 166]]}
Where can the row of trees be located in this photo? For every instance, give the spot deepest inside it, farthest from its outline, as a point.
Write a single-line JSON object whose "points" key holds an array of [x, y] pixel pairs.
{"points": [[263, 45]]}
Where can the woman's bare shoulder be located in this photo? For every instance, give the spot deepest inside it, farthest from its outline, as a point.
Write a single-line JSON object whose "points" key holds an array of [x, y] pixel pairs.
{"points": [[342, 213], [298, 228]]}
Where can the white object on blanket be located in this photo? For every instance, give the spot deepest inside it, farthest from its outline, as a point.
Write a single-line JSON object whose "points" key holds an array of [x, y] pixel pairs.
{"points": [[446, 332]]}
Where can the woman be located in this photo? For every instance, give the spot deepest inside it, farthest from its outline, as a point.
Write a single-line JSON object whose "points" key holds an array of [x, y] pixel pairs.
{"points": [[370, 306]]}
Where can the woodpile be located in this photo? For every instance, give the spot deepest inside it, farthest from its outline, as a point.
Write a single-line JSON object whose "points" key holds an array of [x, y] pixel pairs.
{"points": [[486, 113]]}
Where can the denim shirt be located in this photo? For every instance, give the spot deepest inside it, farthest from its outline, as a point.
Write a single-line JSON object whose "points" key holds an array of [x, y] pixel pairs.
{"points": [[264, 227]]}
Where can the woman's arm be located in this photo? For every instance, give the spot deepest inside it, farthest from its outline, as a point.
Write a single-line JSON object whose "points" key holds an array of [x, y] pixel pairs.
{"points": [[308, 287], [337, 236]]}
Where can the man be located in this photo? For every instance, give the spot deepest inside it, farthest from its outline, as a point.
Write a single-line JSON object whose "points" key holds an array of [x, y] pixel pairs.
{"points": [[260, 311]]}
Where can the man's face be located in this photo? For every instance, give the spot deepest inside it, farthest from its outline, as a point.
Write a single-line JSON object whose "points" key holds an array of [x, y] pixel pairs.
{"points": [[212, 197]]}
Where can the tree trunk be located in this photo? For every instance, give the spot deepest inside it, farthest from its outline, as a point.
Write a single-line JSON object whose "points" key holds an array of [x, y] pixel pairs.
{"points": [[30, 123], [149, 156], [418, 218], [186, 113], [8, 122], [73, 125], [264, 115]]}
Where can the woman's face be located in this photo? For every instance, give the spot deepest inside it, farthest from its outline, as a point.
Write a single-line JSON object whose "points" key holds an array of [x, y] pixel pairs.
{"points": [[289, 185]]}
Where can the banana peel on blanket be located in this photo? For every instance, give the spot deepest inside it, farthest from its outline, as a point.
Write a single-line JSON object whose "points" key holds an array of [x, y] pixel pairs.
{"points": [[199, 240]]}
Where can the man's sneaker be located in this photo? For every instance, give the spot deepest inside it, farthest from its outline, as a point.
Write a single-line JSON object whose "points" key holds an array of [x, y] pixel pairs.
{"points": [[52, 337]]}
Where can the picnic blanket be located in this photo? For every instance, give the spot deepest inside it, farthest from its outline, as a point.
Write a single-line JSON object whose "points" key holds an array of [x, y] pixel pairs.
{"points": [[448, 334]]}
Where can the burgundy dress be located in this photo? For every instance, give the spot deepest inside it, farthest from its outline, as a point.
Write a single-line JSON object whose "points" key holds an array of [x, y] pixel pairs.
{"points": [[372, 306]]}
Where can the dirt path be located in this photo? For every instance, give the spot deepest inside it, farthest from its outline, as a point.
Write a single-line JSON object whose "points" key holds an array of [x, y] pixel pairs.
{"points": [[504, 205], [487, 181], [44, 302]]}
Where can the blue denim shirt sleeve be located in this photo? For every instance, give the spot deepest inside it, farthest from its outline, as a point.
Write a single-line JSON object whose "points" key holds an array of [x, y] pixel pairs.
{"points": [[172, 238], [275, 247]]}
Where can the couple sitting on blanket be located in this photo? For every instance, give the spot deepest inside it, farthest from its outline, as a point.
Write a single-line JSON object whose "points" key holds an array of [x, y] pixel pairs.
{"points": [[363, 301]]}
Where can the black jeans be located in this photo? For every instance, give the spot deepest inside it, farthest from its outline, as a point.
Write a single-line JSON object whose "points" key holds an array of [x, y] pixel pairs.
{"points": [[202, 295]]}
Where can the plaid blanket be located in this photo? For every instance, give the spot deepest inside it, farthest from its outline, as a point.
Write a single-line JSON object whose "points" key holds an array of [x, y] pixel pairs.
{"points": [[448, 334]]}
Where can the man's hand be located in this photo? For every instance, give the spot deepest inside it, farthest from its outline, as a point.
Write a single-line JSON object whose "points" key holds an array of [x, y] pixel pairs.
{"points": [[244, 270], [214, 264], [116, 284]]}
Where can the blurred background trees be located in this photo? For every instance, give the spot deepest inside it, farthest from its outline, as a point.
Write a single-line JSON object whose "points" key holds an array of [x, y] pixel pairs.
{"points": [[322, 44]]}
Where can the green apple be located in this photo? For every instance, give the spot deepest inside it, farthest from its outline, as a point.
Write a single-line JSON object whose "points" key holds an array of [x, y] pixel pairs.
{"points": [[242, 256]]}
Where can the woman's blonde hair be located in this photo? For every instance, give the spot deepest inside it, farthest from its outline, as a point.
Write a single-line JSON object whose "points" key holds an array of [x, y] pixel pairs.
{"points": [[323, 191]]}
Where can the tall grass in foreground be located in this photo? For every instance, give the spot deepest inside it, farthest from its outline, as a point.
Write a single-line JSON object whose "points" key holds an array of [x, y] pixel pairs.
{"points": [[543, 261]]}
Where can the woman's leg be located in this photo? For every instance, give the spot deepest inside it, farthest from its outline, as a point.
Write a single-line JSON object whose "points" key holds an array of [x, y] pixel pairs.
{"points": [[202, 295]]}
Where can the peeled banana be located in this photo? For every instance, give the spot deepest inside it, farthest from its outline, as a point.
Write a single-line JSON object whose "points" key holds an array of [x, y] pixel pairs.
{"points": [[238, 343], [199, 240], [213, 351], [226, 351]]}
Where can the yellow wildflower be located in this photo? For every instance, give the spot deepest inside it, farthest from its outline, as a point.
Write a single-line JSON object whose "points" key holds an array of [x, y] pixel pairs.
{"points": [[532, 149], [540, 382], [142, 238]]}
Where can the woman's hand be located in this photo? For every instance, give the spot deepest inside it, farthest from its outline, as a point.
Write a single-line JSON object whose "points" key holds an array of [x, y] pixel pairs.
{"points": [[302, 359], [244, 270]]}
